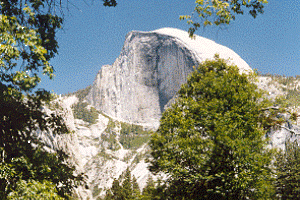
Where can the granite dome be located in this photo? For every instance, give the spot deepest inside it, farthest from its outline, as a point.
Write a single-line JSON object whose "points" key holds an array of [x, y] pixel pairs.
{"points": [[149, 71]]}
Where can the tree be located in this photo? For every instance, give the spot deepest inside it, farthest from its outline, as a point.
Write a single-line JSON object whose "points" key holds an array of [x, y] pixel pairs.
{"points": [[128, 190], [35, 190], [148, 190], [135, 188], [211, 142], [220, 12], [127, 185], [287, 165], [117, 190], [28, 42]]}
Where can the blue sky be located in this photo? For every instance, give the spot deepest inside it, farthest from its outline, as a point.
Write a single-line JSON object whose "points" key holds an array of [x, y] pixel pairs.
{"points": [[93, 36]]}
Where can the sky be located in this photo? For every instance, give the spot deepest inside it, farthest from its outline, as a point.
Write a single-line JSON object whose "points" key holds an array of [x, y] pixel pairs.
{"points": [[93, 36]]}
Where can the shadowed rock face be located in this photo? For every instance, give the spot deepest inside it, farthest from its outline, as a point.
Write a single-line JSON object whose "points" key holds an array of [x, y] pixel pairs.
{"points": [[149, 71], [147, 74]]}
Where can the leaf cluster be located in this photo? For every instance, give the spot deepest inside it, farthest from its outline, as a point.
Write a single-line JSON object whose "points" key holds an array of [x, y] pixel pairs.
{"points": [[220, 12], [34, 190], [24, 175], [110, 3]]}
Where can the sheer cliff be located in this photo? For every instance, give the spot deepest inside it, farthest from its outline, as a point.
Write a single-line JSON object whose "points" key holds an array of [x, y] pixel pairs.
{"points": [[149, 71]]}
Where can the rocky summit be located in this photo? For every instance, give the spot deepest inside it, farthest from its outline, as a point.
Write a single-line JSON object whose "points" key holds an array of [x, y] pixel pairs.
{"points": [[114, 117], [149, 71]]}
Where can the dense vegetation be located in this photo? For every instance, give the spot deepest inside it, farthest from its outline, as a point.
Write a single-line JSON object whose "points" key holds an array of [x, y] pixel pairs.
{"points": [[133, 136], [211, 141], [128, 189], [80, 111], [287, 163], [28, 42], [110, 136]]}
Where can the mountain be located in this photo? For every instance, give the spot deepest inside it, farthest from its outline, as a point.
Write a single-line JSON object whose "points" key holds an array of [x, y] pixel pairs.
{"points": [[149, 71], [114, 117]]}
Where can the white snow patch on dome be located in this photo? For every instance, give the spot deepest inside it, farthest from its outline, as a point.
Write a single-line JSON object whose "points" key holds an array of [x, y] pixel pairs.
{"points": [[205, 48]]}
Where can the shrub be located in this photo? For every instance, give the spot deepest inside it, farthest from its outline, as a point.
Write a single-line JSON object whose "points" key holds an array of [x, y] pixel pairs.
{"points": [[133, 136], [88, 115]]}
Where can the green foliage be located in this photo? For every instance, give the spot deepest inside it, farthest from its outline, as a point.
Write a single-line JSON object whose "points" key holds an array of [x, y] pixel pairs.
{"points": [[148, 190], [111, 136], [129, 156], [219, 12], [111, 140], [115, 192], [28, 42], [154, 190], [133, 136], [127, 186], [34, 190], [81, 94], [287, 165], [292, 97], [54, 106], [111, 127], [128, 190], [96, 191], [211, 141], [138, 157], [135, 188], [41, 169], [80, 111]]}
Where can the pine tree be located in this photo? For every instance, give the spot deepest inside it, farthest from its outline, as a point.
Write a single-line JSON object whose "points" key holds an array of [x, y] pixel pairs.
{"points": [[287, 165], [117, 190], [136, 189], [128, 190], [127, 185], [149, 189]]}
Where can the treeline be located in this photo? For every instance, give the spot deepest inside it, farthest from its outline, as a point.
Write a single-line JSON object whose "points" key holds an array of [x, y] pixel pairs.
{"points": [[127, 188], [285, 182], [80, 94]]}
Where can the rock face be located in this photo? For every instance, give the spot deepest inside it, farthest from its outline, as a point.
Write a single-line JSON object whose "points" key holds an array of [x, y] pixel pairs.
{"points": [[149, 71], [287, 134]]}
